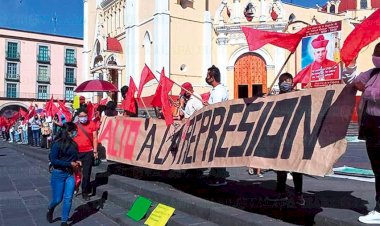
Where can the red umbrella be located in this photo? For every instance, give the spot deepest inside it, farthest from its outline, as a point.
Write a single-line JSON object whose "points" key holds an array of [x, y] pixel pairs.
{"points": [[96, 86]]}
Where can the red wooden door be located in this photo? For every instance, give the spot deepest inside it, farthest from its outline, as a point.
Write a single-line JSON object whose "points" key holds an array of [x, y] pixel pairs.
{"points": [[249, 73]]}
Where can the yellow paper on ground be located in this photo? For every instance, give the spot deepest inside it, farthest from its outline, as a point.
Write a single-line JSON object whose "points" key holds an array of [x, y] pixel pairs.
{"points": [[160, 215]]}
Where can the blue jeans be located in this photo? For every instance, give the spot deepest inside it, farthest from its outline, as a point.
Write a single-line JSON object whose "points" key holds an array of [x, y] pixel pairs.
{"points": [[62, 186], [36, 137], [25, 134]]}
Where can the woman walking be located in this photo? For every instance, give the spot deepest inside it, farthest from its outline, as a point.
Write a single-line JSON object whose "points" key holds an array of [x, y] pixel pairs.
{"points": [[64, 159]]}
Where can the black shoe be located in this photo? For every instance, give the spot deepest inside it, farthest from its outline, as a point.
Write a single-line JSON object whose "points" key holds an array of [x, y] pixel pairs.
{"points": [[49, 215], [64, 224], [85, 197], [300, 201]]}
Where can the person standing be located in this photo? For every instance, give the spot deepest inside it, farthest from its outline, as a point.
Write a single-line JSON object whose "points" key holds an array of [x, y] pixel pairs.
{"points": [[87, 141], [192, 101], [285, 82], [219, 93], [64, 159], [368, 83], [36, 130]]}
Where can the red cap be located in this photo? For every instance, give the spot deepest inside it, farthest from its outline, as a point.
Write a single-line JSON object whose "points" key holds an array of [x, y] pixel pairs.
{"points": [[187, 86], [82, 99], [319, 42]]}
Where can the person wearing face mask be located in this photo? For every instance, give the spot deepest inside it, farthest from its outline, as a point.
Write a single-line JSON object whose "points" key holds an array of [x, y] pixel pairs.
{"points": [[87, 141], [36, 130], [219, 93], [285, 82], [64, 160], [368, 83]]}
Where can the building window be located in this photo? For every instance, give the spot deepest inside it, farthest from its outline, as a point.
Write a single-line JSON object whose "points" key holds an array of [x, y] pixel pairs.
{"points": [[12, 51], [363, 4], [332, 9], [11, 90], [43, 74], [69, 93], [70, 76], [42, 92], [11, 70], [70, 57], [43, 54]]}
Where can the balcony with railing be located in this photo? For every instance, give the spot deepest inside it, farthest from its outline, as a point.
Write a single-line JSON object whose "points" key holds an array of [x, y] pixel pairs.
{"points": [[70, 80], [11, 55], [29, 96], [43, 59], [70, 61], [12, 77], [43, 79]]}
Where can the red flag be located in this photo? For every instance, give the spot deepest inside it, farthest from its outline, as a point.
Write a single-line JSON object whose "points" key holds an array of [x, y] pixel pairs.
{"points": [[146, 76], [161, 97], [303, 76], [103, 101], [129, 103], [363, 34], [50, 108], [205, 96], [90, 110], [31, 111], [258, 38], [23, 113], [65, 111]]}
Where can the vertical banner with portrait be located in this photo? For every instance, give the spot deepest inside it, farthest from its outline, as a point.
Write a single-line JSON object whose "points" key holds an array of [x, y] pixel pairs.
{"points": [[321, 53]]}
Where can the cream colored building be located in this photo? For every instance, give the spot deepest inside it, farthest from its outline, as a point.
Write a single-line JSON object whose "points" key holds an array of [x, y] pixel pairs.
{"points": [[188, 36]]}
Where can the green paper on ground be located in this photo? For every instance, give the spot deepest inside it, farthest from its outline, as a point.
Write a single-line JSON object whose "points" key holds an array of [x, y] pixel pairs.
{"points": [[160, 215], [139, 208]]}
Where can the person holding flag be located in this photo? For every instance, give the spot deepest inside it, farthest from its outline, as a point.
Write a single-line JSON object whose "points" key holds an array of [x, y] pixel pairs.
{"points": [[368, 82]]}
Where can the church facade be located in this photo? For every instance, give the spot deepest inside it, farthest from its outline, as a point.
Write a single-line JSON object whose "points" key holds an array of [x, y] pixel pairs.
{"points": [[185, 37]]}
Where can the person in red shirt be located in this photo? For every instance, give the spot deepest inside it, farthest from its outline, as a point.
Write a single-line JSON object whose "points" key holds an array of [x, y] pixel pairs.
{"points": [[87, 141]]}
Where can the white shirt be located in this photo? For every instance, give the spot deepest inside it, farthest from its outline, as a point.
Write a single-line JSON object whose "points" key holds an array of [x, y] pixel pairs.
{"points": [[192, 105], [218, 94]]}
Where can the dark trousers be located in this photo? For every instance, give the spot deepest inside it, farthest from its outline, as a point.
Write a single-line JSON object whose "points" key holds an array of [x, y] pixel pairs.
{"points": [[373, 150], [30, 136], [36, 137], [219, 173], [87, 159], [281, 182], [44, 141]]}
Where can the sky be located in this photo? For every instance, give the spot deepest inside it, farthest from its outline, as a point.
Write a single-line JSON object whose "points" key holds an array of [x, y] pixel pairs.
{"points": [[37, 15]]}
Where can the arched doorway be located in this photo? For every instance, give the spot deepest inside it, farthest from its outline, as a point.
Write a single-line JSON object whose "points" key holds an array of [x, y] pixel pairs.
{"points": [[8, 110], [250, 76]]}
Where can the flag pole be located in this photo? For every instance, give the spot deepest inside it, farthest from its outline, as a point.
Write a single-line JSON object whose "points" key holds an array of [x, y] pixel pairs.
{"points": [[183, 89], [146, 109], [279, 73]]}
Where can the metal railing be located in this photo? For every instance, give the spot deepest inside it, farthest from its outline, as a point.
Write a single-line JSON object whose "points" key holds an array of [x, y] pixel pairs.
{"points": [[12, 77], [43, 58], [42, 78], [70, 61], [33, 96], [12, 55], [70, 80]]}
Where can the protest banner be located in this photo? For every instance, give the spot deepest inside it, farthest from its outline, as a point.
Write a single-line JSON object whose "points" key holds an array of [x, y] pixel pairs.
{"points": [[300, 131], [321, 53]]}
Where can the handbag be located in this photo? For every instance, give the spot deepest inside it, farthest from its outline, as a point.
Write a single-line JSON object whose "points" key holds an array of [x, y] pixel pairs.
{"points": [[96, 161]]}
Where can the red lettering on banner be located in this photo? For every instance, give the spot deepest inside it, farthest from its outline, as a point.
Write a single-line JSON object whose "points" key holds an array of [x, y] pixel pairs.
{"points": [[107, 134], [131, 137]]}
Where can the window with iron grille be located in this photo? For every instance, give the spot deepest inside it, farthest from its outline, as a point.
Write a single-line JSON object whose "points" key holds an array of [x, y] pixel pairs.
{"points": [[43, 74], [11, 90], [42, 92], [69, 93], [12, 50], [70, 56], [70, 78], [43, 53], [12, 70]]}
